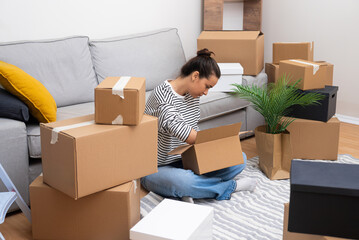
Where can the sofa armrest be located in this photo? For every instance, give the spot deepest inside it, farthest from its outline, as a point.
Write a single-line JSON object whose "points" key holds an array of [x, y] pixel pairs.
{"points": [[14, 156]]}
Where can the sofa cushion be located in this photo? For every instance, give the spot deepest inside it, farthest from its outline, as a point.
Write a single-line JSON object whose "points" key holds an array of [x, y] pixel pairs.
{"points": [[156, 55], [216, 104], [64, 66], [33, 129], [11, 107], [30, 91]]}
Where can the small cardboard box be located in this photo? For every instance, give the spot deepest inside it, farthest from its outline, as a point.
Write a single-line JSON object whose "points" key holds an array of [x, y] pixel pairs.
{"points": [[214, 149], [272, 71], [292, 50], [314, 139], [80, 157], [300, 236], [322, 112], [108, 214], [244, 47], [230, 73], [324, 199], [330, 71], [173, 219], [120, 100], [312, 74]]}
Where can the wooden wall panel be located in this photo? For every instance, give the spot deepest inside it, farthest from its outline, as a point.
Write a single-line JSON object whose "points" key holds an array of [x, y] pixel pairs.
{"points": [[213, 15], [252, 15]]}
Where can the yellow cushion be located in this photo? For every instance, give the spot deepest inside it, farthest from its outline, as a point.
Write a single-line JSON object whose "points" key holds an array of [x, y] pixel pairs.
{"points": [[29, 90]]}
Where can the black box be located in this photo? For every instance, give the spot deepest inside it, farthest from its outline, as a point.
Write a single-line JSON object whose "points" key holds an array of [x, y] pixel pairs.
{"points": [[322, 112], [324, 199]]}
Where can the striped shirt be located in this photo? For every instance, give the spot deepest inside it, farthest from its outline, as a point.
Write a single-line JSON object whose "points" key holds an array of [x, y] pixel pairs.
{"points": [[177, 115]]}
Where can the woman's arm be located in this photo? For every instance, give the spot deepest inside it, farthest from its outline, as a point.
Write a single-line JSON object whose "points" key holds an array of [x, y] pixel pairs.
{"points": [[192, 137]]}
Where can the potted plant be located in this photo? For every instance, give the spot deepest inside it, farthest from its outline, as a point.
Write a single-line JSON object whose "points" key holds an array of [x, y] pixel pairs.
{"points": [[273, 101]]}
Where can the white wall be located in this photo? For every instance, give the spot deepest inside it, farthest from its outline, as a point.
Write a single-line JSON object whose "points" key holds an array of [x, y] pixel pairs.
{"points": [[41, 19], [333, 26]]}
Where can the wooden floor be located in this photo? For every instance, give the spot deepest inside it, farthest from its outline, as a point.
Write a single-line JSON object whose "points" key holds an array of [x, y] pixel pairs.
{"points": [[17, 227]]}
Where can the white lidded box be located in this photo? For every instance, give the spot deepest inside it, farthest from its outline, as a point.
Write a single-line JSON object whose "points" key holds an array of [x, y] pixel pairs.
{"points": [[173, 219], [230, 73]]}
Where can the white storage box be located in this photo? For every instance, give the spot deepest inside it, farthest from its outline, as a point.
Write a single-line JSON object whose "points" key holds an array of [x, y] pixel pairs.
{"points": [[175, 220], [230, 73]]}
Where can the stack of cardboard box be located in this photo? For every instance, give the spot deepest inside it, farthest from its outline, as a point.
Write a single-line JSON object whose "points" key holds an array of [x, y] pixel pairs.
{"points": [[90, 185], [315, 132]]}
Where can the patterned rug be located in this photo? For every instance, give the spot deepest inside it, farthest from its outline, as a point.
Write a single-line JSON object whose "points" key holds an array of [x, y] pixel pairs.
{"points": [[257, 215]]}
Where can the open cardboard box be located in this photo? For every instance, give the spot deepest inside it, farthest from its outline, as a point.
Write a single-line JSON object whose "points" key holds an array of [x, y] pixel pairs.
{"points": [[244, 47], [214, 149]]}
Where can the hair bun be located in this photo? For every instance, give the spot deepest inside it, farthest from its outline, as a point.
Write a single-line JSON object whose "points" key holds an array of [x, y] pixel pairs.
{"points": [[204, 53]]}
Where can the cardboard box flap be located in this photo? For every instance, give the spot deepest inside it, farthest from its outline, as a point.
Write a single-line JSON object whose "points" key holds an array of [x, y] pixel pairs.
{"points": [[181, 149], [230, 35], [230, 68], [326, 178], [218, 133], [134, 83]]}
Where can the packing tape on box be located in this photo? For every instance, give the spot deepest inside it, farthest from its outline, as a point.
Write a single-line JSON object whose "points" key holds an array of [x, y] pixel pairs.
{"points": [[56, 130], [119, 86], [118, 120], [134, 185], [315, 66]]}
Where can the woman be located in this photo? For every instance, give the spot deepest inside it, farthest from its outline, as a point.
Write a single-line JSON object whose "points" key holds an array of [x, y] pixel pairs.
{"points": [[176, 104]]}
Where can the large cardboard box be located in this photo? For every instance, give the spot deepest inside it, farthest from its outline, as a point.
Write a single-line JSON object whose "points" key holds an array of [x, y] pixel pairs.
{"points": [[272, 71], [324, 199], [323, 111], [314, 139], [108, 214], [214, 149], [230, 73], [300, 236], [313, 75], [244, 47], [120, 100], [292, 50], [173, 219], [80, 157]]}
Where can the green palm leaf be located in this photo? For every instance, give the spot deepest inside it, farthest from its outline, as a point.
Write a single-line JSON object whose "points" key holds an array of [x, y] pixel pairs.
{"points": [[274, 101]]}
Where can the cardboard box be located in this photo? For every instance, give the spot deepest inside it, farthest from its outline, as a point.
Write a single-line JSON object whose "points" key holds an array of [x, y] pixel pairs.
{"points": [[173, 219], [272, 71], [324, 199], [244, 47], [312, 74], [80, 157], [300, 236], [330, 71], [214, 149], [230, 73], [315, 140], [292, 50], [108, 214], [322, 112], [120, 100]]}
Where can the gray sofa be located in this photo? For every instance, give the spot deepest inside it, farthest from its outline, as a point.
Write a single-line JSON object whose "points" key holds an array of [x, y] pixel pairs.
{"points": [[70, 68]]}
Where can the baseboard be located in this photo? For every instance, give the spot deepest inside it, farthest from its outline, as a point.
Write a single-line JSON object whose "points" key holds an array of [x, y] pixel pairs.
{"points": [[348, 119]]}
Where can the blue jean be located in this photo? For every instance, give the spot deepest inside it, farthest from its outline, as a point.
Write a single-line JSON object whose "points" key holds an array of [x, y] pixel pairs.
{"points": [[174, 181]]}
